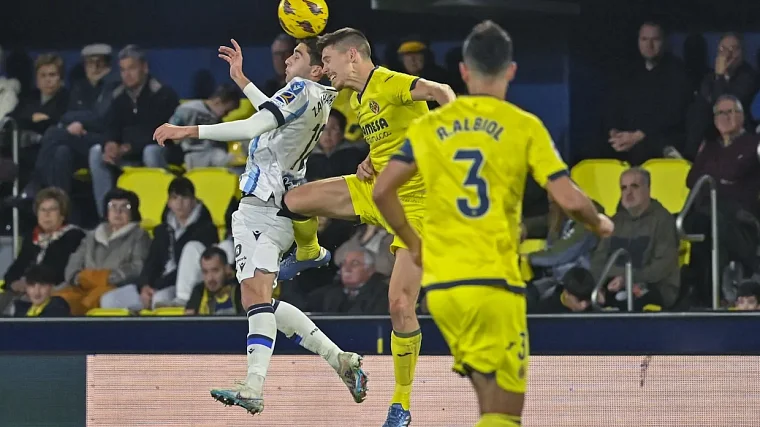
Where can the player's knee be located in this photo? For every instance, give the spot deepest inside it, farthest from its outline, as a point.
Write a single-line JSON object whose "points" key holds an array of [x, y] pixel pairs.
{"points": [[292, 207], [494, 399], [257, 289], [400, 304]]}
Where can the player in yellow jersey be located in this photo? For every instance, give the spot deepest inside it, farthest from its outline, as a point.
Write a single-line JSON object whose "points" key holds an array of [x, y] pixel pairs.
{"points": [[474, 155], [386, 103]]}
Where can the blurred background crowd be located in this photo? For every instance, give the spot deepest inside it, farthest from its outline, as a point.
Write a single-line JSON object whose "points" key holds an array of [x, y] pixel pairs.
{"points": [[113, 224]]}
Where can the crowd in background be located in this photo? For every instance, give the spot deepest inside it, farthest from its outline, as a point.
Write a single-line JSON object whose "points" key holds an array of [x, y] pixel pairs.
{"points": [[83, 246]]}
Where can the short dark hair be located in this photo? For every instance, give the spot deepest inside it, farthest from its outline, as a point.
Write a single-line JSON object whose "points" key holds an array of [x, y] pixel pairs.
{"points": [[579, 282], [122, 194], [42, 274], [215, 251], [488, 49], [132, 51], [312, 48], [227, 93], [182, 186], [341, 118], [346, 38], [53, 193]]}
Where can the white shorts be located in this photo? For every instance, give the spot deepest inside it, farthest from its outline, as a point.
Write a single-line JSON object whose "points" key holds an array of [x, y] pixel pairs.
{"points": [[260, 237]]}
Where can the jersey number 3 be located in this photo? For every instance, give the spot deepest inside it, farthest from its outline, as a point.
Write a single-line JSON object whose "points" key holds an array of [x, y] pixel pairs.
{"points": [[473, 179]]}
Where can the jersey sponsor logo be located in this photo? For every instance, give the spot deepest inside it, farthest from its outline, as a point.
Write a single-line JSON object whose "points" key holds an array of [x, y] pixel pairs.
{"points": [[375, 126], [374, 106]]}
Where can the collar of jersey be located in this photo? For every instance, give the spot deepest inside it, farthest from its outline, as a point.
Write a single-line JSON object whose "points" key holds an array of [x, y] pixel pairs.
{"points": [[359, 97]]}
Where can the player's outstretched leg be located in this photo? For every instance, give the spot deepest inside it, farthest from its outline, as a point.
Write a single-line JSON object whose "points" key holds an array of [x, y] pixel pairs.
{"points": [[406, 337], [297, 326], [498, 407], [327, 197], [256, 294]]}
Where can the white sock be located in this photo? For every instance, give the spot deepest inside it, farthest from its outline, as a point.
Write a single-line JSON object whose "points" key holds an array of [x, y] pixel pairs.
{"points": [[262, 331], [297, 326]]}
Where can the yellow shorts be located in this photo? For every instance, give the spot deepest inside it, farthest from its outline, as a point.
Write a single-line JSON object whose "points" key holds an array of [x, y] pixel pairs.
{"points": [[364, 207], [486, 329]]}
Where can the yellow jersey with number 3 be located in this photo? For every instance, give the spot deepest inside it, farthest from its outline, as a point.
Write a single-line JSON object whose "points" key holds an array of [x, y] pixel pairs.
{"points": [[474, 155], [385, 109]]}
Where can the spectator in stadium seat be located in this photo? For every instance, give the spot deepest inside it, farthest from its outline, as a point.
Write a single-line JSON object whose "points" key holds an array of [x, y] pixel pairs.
{"points": [[568, 245], [282, 48], [40, 280], [219, 292], [40, 110], [65, 147], [334, 156], [140, 105], [110, 256], [51, 243], [172, 267], [205, 153], [731, 159], [748, 298], [571, 295], [359, 289], [418, 60], [648, 232], [732, 75], [648, 112]]}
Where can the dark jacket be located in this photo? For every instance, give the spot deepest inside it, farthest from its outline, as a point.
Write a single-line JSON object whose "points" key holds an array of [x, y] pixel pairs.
{"points": [[654, 101], [230, 305], [54, 108], [652, 241], [372, 298], [133, 122], [52, 250], [741, 83], [89, 104], [160, 269], [735, 168], [57, 307], [342, 161]]}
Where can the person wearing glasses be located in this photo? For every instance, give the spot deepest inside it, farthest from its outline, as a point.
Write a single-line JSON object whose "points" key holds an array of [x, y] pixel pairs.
{"points": [[732, 160], [111, 255]]}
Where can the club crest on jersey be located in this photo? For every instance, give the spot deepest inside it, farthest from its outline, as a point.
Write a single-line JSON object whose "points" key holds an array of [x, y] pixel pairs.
{"points": [[374, 107]]}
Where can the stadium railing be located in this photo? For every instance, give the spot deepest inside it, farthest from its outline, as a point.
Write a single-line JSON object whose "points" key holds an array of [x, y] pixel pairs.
{"points": [[603, 279], [14, 135]]}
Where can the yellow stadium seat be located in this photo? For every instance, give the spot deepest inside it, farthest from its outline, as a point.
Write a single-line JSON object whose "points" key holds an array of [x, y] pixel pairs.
{"points": [[684, 253], [237, 151], [244, 111], [2, 286], [146, 312], [151, 186], [600, 180], [82, 175], [669, 182], [169, 311], [108, 312], [526, 271], [215, 187], [532, 245], [652, 308]]}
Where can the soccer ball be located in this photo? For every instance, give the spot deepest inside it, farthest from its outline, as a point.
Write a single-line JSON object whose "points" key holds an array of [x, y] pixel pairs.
{"points": [[303, 18]]}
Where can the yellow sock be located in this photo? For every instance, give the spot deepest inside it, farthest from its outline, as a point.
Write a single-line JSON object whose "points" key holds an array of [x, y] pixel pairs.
{"points": [[306, 238], [405, 347], [498, 420]]}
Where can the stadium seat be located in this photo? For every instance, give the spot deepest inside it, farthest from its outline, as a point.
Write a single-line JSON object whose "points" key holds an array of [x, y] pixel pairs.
{"points": [[151, 186], [532, 245], [651, 308], [684, 253], [237, 150], [2, 286], [169, 311], [146, 312], [526, 271], [215, 187], [600, 179], [244, 111], [82, 175], [669, 182], [108, 312]]}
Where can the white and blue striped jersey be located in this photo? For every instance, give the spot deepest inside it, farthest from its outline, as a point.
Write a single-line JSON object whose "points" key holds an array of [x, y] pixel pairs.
{"points": [[277, 159]]}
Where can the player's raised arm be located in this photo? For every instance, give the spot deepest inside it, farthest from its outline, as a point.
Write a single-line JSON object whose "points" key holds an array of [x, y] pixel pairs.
{"points": [[426, 90], [262, 121], [234, 56], [551, 172], [399, 170]]}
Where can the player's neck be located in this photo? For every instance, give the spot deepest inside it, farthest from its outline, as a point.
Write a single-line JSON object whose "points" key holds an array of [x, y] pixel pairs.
{"points": [[358, 78], [497, 90]]}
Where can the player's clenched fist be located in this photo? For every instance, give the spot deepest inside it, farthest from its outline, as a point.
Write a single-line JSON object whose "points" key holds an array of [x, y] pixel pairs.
{"points": [[176, 133], [365, 171]]}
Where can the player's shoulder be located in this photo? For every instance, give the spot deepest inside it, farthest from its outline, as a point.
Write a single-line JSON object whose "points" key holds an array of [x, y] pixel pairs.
{"points": [[520, 117], [385, 76]]}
